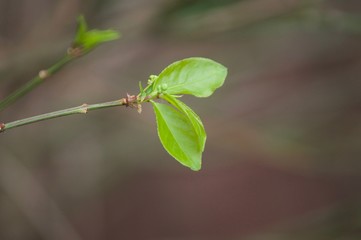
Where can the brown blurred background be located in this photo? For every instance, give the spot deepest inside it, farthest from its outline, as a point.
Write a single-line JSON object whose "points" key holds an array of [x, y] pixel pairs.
{"points": [[283, 155]]}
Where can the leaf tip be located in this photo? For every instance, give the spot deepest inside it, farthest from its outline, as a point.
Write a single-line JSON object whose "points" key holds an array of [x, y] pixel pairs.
{"points": [[195, 167], [81, 18]]}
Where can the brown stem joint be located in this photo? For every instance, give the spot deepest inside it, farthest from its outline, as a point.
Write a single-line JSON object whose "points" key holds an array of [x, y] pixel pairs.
{"points": [[132, 101], [2, 127]]}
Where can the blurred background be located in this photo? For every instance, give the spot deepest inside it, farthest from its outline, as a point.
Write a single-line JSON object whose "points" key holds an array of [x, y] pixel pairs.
{"points": [[283, 155]]}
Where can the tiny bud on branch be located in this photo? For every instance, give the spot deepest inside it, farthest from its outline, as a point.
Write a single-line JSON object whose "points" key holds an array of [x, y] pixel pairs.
{"points": [[43, 74]]}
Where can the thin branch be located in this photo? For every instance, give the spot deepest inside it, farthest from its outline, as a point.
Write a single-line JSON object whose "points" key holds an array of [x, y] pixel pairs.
{"points": [[128, 101], [85, 41], [43, 74]]}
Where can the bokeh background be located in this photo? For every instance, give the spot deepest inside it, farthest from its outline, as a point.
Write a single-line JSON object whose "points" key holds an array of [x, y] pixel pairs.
{"points": [[283, 155]]}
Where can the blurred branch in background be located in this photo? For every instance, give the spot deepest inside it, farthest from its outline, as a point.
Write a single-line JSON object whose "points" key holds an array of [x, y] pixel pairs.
{"points": [[202, 18], [42, 212]]}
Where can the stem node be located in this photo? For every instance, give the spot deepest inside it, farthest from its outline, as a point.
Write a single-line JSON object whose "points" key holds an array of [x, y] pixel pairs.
{"points": [[75, 51], [43, 74], [84, 108]]}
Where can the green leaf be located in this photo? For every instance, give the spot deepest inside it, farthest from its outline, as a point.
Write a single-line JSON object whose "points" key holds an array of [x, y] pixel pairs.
{"points": [[90, 39], [195, 76], [81, 29], [192, 117], [178, 136]]}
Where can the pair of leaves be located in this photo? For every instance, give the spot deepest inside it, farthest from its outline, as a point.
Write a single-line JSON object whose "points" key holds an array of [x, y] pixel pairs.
{"points": [[89, 39], [180, 130]]}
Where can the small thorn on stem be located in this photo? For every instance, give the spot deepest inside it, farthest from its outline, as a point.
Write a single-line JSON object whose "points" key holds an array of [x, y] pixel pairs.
{"points": [[2, 127]]}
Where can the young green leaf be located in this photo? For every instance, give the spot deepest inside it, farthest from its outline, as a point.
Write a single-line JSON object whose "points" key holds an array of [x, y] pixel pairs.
{"points": [[192, 117], [90, 39], [178, 136], [195, 76], [81, 30], [148, 91]]}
